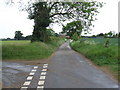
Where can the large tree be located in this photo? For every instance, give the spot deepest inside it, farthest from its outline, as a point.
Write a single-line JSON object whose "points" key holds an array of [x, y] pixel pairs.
{"points": [[18, 35], [45, 13]]}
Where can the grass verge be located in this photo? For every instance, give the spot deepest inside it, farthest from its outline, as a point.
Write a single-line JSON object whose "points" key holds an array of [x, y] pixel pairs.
{"points": [[101, 56], [24, 50]]}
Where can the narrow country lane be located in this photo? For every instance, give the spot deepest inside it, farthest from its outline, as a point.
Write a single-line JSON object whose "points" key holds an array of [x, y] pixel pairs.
{"points": [[69, 70], [66, 69]]}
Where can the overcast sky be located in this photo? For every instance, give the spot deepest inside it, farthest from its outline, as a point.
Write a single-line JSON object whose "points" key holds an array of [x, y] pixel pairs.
{"points": [[11, 20]]}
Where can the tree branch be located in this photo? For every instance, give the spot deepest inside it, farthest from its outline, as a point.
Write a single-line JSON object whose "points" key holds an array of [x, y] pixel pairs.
{"points": [[58, 14], [52, 5]]}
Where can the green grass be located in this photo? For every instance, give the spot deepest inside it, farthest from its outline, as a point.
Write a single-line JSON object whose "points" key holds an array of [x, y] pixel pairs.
{"points": [[24, 50], [93, 48]]}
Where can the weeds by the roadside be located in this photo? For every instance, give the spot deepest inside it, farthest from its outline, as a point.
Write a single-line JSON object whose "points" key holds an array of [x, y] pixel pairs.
{"points": [[95, 50]]}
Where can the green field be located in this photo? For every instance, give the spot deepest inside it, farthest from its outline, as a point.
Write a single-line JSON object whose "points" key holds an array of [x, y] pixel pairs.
{"points": [[94, 49], [24, 50]]}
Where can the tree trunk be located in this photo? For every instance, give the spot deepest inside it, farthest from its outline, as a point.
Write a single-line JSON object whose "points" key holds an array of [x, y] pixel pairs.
{"points": [[41, 20], [39, 35]]}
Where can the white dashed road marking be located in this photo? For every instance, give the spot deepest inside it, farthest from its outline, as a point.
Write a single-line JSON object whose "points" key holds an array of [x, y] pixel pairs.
{"points": [[41, 82], [29, 77], [31, 73], [42, 77], [24, 87], [43, 73], [35, 67], [27, 83], [45, 66], [44, 69], [40, 86], [34, 70]]}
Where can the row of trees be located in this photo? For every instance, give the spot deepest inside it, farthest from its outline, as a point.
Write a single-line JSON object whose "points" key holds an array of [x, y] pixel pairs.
{"points": [[45, 13], [110, 34], [19, 35]]}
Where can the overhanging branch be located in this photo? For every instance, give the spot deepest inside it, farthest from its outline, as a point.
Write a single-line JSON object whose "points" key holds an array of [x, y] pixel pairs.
{"points": [[58, 14]]}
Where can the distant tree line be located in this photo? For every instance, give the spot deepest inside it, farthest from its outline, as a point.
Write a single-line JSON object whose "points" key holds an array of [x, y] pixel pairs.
{"points": [[108, 35], [19, 35]]}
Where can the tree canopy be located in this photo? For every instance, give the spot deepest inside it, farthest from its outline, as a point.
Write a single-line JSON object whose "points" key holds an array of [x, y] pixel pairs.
{"points": [[45, 13], [18, 35], [73, 27]]}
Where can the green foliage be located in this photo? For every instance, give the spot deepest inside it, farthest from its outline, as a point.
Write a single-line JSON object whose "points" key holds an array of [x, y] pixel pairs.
{"points": [[56, 34], [109, 34], [40, 15], [107, 42], [50, 32], [75, 36], [28, 37], [73, 27], [45, 13], [100, 55], [119, 35], [24, 50], [18, 35]]}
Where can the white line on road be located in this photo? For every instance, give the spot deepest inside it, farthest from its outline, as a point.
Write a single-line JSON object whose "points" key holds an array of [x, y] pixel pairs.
{"points": [[41, 82], [27, 83], [43, 73], [31, 73], [29, 77], [45, 66], [34, 70], [24, 87], [42, 77], [40, 86], [44, 69], [35, 67]]}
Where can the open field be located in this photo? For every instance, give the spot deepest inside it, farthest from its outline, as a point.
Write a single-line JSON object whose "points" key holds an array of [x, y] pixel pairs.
{"points": [[94, 49], [24, 50]]}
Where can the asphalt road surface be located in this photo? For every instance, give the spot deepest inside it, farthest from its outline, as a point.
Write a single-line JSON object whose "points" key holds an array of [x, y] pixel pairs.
{"points": [[67, 69]]}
